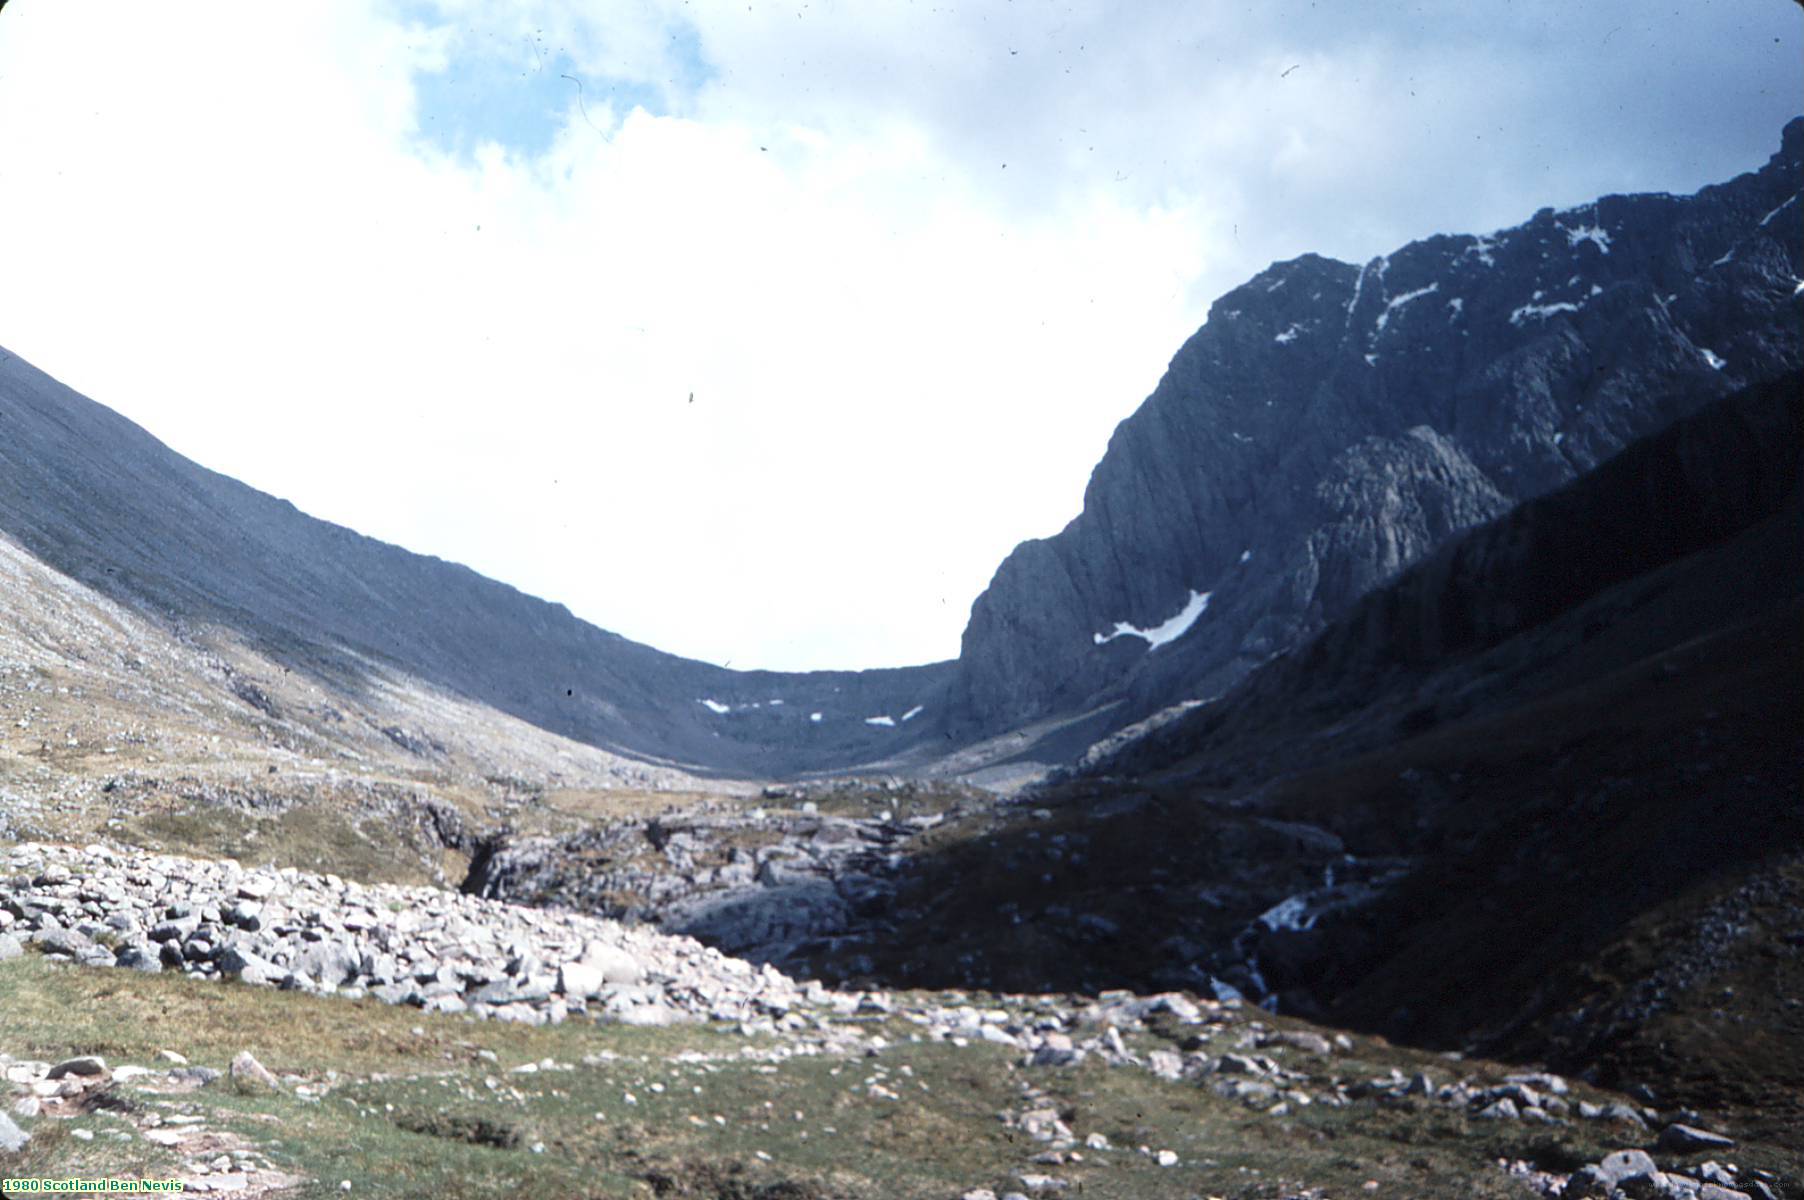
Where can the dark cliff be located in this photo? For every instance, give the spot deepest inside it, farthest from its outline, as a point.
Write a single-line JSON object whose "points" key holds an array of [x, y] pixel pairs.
{"points": [[1331, 424], [1421, 650]]}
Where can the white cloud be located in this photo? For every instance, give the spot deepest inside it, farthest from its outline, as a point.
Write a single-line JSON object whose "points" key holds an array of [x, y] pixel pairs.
{"points": [[229, 222]]}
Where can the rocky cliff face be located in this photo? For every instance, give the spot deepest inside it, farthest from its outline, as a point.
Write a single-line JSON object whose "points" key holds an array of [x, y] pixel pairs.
{"points": [[1422, 649], [1331, 424]]}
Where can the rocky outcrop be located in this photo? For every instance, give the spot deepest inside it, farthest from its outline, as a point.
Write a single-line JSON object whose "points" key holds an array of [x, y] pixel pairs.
{"points": [[787, 884], [1331, 424]]}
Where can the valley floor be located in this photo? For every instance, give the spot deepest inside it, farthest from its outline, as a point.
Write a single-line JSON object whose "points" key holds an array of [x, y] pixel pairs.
{"points": [[904, 1096]]}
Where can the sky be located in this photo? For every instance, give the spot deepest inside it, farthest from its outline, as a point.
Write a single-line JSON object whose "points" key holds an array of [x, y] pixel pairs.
{"points": [[762, 332]]}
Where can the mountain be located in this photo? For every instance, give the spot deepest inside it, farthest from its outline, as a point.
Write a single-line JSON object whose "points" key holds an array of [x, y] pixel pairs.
{"points": [[1327, 427], [1332, 424], [101, 501], [1537, 796]]}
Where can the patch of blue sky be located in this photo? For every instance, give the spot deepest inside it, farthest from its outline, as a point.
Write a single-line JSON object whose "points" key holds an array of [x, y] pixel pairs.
{"points": [[520, 104], [520, 96]]}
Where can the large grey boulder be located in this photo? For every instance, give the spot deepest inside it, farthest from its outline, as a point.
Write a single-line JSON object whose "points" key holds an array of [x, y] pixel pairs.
{"points": [[249, 967], [1625, 1164], [1686, 1139]]}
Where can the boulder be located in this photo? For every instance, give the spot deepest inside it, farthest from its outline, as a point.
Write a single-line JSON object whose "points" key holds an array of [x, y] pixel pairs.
{"points": [[1688, 1139], [88, 1066], [250, 1076], [137, 956], [1621, 1165], [248, 966], [583, 980], [616, 965]]}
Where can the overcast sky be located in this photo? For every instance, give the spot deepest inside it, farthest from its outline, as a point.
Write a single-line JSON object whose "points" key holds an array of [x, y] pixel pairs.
{"points": [[450, 273]]}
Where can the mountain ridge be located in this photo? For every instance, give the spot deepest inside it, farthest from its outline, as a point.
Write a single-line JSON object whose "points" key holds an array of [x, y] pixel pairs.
{"points": [[1530, 355], [199, 546], [1329, 425]]}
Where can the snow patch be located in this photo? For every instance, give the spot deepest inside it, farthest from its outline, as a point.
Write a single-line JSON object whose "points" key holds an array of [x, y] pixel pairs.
{"points": [[776, 704], [1540, 311], [1728, 257], [1593, 233], [914, 712], [1788, 203], [1596, 290], [1246, 556], [1167, 631], [716, 707], [1289, 335], [1480, 249], [1456, 306], [815, 717], [1371, 360], [1398, 302], [1712, 358], [890, 722], [1358, 287]]}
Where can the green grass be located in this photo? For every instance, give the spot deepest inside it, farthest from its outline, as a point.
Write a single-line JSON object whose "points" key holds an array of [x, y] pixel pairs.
{"points": [[418, 1106]]}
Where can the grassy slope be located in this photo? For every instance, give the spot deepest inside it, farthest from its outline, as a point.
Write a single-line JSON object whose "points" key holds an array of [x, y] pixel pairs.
{"points": [[416, 1110]]}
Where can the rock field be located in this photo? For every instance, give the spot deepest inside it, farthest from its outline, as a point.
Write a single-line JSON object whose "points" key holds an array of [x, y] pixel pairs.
{"points": [[452, 953], [439, 950]]}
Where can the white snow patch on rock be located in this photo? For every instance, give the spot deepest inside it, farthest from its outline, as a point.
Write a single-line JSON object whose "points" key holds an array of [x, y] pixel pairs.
{"points": [[1712, 358], [1593, 233], [1788, 203], [914, 712], [1169, 630], [1540, 311], [715, 706], [815, 717], [1397, 302], [889, 722], [1289, 335]]}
